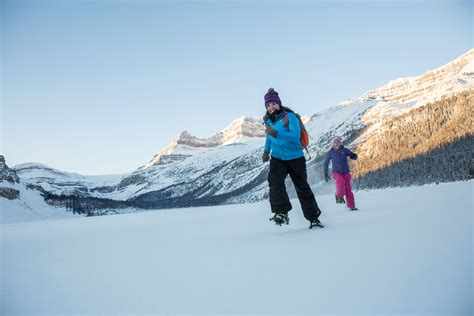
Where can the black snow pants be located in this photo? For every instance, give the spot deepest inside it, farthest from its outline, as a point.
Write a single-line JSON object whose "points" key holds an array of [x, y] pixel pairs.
{"points": [[279, 200]]}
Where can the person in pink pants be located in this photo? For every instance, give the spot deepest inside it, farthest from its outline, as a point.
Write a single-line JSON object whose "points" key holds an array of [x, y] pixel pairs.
{"points": [[340, 172], [343, 188]]}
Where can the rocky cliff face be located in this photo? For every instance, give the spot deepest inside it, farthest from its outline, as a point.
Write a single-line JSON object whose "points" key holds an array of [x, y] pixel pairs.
{"points": [[8, 177], [9, 193], [7, 174]]}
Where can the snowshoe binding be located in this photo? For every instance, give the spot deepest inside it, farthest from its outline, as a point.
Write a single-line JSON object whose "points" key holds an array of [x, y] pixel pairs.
{"points": [[340, 200], [315, 223], [280, 219]]}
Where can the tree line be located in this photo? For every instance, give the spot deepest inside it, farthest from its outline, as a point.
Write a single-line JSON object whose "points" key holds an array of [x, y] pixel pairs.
{"points": [[418, 132]]}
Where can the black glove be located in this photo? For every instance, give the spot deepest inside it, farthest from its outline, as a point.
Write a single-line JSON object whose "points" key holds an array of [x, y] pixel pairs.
{"points": [[353, 156], [265, 157], [326, 177], [270, 131]]}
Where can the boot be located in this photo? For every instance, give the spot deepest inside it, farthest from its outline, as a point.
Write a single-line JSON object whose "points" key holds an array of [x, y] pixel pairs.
{"points": [[340, 200], [281, 218], [315, 223]]}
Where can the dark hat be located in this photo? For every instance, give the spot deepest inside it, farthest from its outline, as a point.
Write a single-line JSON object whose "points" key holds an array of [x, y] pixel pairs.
{"points": [[272, 96]]}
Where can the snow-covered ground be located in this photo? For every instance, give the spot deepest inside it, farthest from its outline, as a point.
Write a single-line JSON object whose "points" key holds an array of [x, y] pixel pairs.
{"points": [[29, 207], [407, 251]]}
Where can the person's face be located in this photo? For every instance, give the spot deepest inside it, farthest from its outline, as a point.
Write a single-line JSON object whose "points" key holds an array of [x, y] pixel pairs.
{"points": [[272, 107], [336, 145]]}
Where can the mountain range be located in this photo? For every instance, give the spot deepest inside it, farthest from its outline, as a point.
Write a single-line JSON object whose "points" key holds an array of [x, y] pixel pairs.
{"points": [[401, 131]]}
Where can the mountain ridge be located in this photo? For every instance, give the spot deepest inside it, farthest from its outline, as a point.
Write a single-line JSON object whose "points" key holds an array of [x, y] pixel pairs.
{"points": [[228, 169]]}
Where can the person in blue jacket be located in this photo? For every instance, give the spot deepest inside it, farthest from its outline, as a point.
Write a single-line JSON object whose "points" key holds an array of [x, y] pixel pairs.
{"points": [[340, 172], [284, 151]]}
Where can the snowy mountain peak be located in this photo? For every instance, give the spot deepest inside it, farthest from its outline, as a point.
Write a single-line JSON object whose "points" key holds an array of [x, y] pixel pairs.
{"points": [[185, 145], [34, 169], [182, 137], [185, 138], [454, 77], [242, 129], [401, 95]]}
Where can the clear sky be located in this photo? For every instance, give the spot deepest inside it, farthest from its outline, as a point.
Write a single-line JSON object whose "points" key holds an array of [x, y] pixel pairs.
{"points": [[99, 87]]}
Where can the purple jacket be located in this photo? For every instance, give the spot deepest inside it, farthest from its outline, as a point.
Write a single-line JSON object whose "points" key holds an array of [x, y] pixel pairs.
{"points": [[339, 160]]}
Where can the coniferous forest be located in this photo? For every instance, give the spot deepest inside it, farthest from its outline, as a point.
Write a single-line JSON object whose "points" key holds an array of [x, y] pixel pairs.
{"points": [[433, 143]]}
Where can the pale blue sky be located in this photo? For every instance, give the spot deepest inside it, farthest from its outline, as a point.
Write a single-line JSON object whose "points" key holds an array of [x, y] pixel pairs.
{"points": [[98, 87]]}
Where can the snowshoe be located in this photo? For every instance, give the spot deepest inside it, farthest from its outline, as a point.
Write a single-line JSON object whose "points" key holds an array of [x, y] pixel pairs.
{"points": [[315, 223], [280, 219], [340, 200], [353, 209]]}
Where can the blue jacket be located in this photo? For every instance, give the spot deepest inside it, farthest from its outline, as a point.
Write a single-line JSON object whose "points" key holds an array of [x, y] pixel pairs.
{"points": [[339, 160], [287, 144]]}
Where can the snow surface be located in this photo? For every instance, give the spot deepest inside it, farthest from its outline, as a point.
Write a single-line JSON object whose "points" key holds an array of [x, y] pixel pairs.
{"points": [[469, 68], [160, 176], [336, 121], [407, 251], [30, 206]]}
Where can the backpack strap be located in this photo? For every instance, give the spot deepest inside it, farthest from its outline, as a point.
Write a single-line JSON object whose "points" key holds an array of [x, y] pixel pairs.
{"points": [[300, 121], [286, 123], [302, 127]]}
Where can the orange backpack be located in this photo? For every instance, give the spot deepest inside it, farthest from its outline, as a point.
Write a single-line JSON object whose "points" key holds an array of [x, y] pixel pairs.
{"points": [[304, 137]]}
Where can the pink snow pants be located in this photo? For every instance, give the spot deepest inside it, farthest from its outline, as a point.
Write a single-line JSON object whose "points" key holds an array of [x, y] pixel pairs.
{"points": [[343, 187]]}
